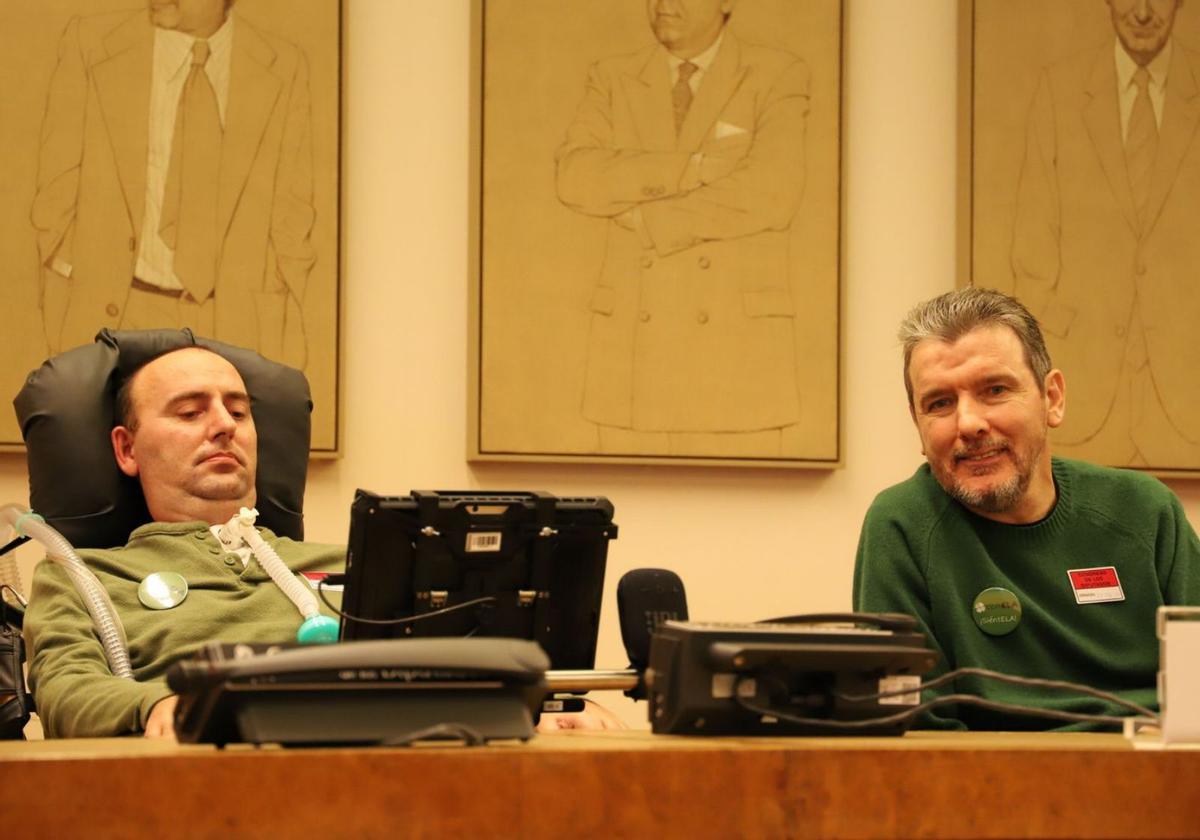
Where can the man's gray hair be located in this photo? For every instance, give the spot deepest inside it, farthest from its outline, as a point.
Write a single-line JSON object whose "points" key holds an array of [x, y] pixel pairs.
{"points": [[950, 316]]}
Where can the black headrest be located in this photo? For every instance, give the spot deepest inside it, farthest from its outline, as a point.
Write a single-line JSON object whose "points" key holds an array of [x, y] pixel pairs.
{"points": [[66, 413]]}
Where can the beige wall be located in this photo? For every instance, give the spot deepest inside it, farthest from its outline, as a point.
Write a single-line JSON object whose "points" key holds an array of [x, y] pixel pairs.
{"points": [[748, 544]]}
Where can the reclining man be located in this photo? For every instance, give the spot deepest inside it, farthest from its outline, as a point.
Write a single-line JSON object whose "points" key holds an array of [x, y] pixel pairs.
{"points": [[185, 430], [1011, 559]]}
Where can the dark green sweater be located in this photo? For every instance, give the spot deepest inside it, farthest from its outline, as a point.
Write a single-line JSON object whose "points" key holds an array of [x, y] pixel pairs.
{"points": [[923, 553], [76, 693]]}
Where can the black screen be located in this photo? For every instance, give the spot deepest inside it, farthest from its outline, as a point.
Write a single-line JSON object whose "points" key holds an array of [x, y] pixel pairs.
{"points": [[533, 561]]}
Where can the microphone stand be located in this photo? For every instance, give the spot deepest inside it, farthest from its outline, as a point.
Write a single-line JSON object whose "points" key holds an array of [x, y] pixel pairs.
{"points": [[568, 681]]}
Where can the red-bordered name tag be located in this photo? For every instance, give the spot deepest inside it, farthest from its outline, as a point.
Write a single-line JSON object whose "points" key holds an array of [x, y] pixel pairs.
{"points": [[1098, 585], [314, 580]]}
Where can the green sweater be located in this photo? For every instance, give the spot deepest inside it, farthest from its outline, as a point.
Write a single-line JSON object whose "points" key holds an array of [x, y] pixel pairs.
{"points": [[923, 553], [76, 693]]}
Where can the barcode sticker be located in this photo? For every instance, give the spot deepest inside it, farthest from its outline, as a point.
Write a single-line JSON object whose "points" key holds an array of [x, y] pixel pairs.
{"points": [[484, 541], [900, 683]]}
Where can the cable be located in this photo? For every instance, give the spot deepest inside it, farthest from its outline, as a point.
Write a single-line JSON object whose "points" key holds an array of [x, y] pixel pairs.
{"points": [[900, 622], [16, 542], [900, 717], [1036, 682], [470, 736], [12, 608], [10, 573], [406, 619], [17, 596]]}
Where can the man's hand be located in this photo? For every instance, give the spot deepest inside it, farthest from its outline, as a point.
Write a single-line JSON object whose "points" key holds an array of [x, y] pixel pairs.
{"points": [[161, 723], [593, 716]]}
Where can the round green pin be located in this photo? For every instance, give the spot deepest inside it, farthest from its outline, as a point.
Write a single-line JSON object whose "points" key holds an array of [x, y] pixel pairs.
{"points": [[997, 611], [162, 590]]}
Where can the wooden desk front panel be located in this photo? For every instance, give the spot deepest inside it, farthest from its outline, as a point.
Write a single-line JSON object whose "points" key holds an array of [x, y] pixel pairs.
{"points": [[612, 785]]}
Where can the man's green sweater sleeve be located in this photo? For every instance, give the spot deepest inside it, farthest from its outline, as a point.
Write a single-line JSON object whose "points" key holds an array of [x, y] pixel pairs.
{"points": [[888, 578], [76, 693], [1181, 578]]}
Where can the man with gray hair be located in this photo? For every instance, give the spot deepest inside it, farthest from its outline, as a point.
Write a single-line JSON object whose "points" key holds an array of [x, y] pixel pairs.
{"points": [[1010, 559]]}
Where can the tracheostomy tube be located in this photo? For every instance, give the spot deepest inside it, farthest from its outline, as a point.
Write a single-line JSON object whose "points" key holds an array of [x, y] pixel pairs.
{"points": [[240, 530]]}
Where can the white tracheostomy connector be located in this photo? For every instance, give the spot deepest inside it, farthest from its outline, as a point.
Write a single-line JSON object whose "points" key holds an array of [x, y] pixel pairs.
{"points": [[239, 531]]}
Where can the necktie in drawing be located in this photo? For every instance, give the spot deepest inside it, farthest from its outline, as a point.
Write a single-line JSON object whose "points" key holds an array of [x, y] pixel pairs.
{"points": [[681, 94], [1141, 142], [189, 217]]}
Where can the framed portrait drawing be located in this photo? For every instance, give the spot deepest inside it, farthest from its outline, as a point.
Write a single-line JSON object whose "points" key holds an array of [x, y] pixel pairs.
{"points": [[656, 232], [1082, 189], [172, 165]]}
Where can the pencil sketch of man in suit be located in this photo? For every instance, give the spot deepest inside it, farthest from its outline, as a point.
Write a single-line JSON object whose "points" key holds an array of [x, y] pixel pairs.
{"points": [[693, 151], [175, 183], [1105, 247]]}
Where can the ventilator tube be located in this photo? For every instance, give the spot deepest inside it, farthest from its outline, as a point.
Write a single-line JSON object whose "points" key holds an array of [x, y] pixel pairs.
{"points": [[104, 618]]}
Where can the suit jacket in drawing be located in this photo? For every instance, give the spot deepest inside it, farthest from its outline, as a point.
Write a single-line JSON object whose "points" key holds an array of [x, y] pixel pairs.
{"points": [[1081, 259], [92, 175], [692, 317]]}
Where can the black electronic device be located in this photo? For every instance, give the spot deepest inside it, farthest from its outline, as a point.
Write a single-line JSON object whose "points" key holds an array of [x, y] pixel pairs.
{"points": [[389, 691], [479, 563], [645, 599], [16, 704], [802, 675]]}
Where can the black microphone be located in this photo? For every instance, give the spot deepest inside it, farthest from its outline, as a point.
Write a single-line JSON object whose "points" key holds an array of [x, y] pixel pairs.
{"points": [[645, 599]]}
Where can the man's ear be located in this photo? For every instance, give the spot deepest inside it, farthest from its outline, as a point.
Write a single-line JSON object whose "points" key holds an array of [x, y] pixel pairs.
{"points": [[1056, 398], [122, 444], [912, 412]]}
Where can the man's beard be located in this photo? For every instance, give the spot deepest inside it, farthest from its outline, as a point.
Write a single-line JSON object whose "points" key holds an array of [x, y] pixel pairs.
{"points": [[999, 498]]}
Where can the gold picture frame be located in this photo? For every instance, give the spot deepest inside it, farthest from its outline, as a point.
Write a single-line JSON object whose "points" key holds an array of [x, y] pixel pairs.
{"points": [[1066, 206], [80, 146], [572, 139]]}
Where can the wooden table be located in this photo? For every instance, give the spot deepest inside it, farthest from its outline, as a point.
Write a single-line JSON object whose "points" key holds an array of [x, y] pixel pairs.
{"points": [[609, 784]]}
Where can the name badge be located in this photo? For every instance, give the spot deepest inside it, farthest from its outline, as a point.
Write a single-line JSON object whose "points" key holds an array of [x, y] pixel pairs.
{"points": [[1099, 585]]}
